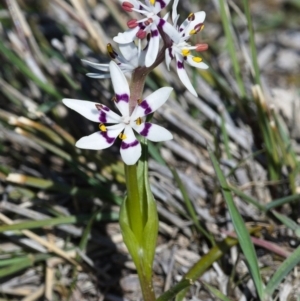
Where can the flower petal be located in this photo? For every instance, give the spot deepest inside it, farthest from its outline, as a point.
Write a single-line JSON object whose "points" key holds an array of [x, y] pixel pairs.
{"points": [[153, 46], [131, 149], [128, 51], [187, 26], [153, 132], [169, 55], [151, 103], [121, 88], [183, 75], [127, 36], [92, 111], [191, 61], [100, 140], [160, 4], [175, 15], [170, 30], [98, 75], [101, 67]]}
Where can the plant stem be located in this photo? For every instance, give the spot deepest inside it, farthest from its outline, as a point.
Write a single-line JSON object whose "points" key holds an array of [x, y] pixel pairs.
{"points": [[133, 202], [147, 288]]}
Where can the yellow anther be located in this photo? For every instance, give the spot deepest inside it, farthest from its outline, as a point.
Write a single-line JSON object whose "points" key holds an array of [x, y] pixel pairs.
{"points": [[185, 52], [139, 101], [197, 59], [152, 2], [102, 127], [191, 17], [138, 121], [114, 98], [122, 136], [109, 48], [193, 31]]}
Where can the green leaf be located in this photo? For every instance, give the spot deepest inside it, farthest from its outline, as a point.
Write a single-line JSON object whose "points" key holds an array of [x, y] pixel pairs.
{"points": [[198, 269], [128, 236], [288, 222], [240, 228], [282, 271], [150, 215], [216, 292]]}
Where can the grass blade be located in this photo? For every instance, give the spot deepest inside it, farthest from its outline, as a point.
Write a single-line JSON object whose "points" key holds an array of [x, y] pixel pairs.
{"points": [[282, 271], [216, 292], [240, 228]]}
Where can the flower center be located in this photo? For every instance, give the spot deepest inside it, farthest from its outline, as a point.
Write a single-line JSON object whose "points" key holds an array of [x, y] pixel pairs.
{"points": [[126, 120]]}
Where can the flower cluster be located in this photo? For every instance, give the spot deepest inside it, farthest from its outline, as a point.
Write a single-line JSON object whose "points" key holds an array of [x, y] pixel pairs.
{"points": [[140, 51]]}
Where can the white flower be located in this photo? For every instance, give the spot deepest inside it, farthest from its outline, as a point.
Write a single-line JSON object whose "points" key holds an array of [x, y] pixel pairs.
{"points": [[150, 24], [181, 50], [122, 126], [129, 58]]}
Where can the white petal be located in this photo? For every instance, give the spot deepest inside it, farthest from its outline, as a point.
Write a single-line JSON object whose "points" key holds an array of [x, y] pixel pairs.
{"points": [[121, 88], [102, 67], [199, 65], [130, 147], [187, 25], [153, 132], [169, 55], [97, 75], [166, 16], [127, 36], [159, 5], [153, 46], [151, 103], [170, 30], [183, 75], [128, 50], [90, 110], [100, 140], [174, 12]]}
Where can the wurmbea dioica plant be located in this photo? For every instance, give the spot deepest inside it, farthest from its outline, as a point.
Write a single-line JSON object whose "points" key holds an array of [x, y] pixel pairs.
{"points": [[138, 215]]}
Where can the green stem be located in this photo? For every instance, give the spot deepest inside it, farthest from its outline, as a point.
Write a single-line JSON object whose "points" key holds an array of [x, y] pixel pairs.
{"points": [[133, 202], [147, 288]]}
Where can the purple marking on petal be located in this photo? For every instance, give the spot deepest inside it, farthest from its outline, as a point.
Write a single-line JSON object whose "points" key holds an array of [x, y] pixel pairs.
{"points": [[161, 22], [170, 53], [154, 33], [141, 26], [146, 129], [125, 145], [180, 29], [180, 65], [104, 108], [147, 109], [108, 139], [102, 117], [122, 97], [161, 3]]}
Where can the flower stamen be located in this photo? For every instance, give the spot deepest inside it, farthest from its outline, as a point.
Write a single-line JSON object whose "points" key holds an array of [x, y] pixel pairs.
{"points": [[102, 127], [127, 6], [138, 121], [122, 136], [191, 17], [185, 52], [197, 59], [132, 23]]}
